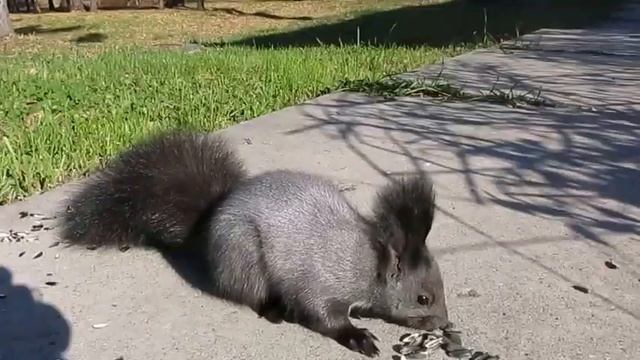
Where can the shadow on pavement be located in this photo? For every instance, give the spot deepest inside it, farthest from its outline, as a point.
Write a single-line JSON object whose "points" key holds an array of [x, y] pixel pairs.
{"points": [[441, 24], [29, 328]]}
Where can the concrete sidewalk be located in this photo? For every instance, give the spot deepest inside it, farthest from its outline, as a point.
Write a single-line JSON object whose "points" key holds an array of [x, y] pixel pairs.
{"points": [[531, 203]]}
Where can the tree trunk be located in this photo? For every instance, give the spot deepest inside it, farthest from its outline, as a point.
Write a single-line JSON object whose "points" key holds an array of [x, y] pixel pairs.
{"points": [[200, 4], [76, 5], [36, 6], [161, 4], [94, 5], [5, 22], [176, 3], [52, 6]]}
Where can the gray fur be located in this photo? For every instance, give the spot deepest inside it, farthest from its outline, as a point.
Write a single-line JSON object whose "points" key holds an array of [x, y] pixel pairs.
{"points": [[285, 243]]}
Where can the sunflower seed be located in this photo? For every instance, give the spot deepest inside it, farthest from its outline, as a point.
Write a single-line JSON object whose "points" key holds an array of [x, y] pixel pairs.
{"points": [[23, 214], [99, 326], [469, 293], [418, 344], [581, 288], [416, 356], [36, 227], [459, 353], [610, 264], [3, 296], [478, 355], [54, 244], [453, 338], [39, 254], [51, 283], [22, 254]]}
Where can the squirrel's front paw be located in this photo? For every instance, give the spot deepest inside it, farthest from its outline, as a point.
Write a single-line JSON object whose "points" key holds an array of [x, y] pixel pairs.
{"points": [[359, 340]]}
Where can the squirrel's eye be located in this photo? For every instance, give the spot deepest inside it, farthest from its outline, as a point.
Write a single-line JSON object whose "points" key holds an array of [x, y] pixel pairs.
{"points": [[423, 300]]}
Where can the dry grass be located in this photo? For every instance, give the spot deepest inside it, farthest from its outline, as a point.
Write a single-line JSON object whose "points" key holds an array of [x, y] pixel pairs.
{"points": [[172, 27]]}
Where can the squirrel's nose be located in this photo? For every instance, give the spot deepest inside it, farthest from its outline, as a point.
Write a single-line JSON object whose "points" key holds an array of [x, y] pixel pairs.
{"points": [[428, 323]]}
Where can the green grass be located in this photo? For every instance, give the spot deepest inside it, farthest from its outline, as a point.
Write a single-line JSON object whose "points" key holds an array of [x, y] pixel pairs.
{"points": [[439, 88], [63, 115]]}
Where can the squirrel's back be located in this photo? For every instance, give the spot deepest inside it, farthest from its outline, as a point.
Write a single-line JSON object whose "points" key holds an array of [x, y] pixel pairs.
{"points": [[154, 193], [295, 232]]}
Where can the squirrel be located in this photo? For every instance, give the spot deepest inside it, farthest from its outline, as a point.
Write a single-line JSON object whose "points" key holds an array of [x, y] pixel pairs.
{"points": [[287, 244]]}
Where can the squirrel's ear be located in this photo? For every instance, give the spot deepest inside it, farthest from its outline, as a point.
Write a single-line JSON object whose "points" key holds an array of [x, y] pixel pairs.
{"points": [[407, 249], [404, 212], [397, 240]]}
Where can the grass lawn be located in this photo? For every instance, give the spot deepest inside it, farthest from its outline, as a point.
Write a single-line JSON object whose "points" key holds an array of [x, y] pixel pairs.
{"points": [[172, 27], [68, 105], [66, 114]]}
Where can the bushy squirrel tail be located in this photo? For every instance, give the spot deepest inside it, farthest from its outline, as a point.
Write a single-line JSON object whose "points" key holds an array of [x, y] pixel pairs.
{"points": [[156, 193]]}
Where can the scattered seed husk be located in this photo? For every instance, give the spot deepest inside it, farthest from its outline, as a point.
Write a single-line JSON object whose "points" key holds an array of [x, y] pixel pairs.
{"points": [[37, 227], [581, 288], [39, 254], [453, 336], [23, 214], [460, 353], [51, 283], [99, 326], [49, 274], [92, 247], [54, 244], [18, 236], [47, 228], [22, 254], [124, 248], [481, 355], [610, 264], [419, 345], [469, 293], [346, 187]]}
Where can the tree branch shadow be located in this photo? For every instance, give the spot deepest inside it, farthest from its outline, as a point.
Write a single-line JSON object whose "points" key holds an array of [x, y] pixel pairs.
{"points": [[574, 167], [39, 29], [262, 14]]}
